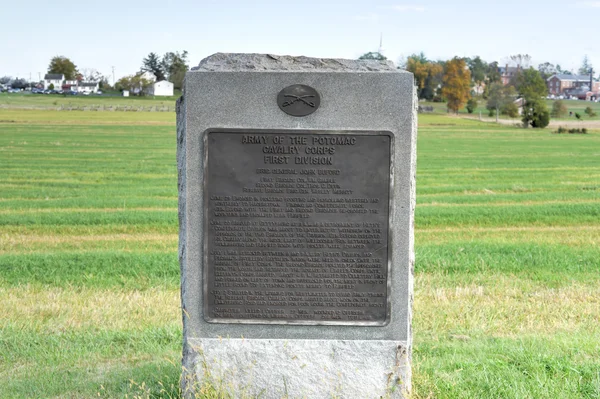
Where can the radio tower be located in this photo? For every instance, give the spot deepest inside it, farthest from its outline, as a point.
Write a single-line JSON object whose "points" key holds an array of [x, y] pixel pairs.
{"points": [[380, 50]]}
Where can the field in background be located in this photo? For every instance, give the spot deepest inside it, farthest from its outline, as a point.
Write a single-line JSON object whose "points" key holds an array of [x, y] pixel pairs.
{"points": [[54, 101], [507, 291], [575, 106]]}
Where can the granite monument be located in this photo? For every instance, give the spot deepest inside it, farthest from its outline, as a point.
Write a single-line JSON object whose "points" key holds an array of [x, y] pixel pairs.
{"points": [[296, 203]]}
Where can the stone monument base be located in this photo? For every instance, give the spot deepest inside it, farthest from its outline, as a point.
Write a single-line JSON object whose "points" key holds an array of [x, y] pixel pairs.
{"points": [[277, 368]]}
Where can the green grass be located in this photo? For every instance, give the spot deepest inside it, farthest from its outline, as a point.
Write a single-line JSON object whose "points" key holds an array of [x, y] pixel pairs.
{"points": [[507, 297], [577, 106], [52, 101], [574, 106]]}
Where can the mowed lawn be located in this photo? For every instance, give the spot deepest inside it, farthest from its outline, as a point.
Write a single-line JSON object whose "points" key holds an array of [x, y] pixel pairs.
{"points": [[507, 290]]}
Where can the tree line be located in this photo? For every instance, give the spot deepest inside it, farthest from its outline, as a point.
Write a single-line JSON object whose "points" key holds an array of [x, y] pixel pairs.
{"points": [[172, 66], [460, 81]]}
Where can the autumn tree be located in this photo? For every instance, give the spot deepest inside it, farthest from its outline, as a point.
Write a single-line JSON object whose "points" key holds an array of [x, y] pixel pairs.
{"points": [[456, 86], [62, 65], [428, 75], [433, 80]]}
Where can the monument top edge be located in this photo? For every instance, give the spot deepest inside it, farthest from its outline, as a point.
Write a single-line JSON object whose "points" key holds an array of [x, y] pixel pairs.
{"points": [[241, 62]]}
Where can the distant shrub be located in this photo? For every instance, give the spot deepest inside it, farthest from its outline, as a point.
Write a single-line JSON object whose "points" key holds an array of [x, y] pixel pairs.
{"points": [[471, 105], [590, 112], [536, 114], [559, 109], [562, 130], [51, 86], [511, 109], [577, 115]]}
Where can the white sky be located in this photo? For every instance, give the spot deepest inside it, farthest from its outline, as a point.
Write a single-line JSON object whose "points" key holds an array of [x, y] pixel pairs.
{"points": [[115, 33]]}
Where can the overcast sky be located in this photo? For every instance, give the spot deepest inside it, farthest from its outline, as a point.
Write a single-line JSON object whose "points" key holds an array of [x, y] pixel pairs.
{"points": [[121, 33]]}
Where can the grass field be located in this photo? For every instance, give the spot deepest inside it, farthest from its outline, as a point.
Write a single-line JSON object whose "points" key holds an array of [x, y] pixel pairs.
{"points": [[52, 101], [574, 106], [507, 291]]}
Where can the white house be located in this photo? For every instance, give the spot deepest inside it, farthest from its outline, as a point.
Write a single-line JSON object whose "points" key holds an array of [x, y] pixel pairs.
{"points": [[55, 79], [91, 87], [162, 88]]}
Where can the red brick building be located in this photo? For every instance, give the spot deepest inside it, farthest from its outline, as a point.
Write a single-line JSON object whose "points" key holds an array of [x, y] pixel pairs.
{"points": [[563, 84]]}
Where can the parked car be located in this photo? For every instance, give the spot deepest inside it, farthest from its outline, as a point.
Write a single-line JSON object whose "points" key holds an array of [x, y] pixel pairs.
{"points": [[99, 92]]}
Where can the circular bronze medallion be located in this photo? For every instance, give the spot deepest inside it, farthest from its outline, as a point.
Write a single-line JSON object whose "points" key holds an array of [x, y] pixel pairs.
{"points": [[298, 100]]}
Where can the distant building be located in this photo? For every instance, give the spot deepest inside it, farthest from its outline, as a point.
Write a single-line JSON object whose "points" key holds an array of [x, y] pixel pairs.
{"points": [[91, 87], [162, 88], [508, 73], [582, 93], [80, 87], [55, 79], [560, 84]]}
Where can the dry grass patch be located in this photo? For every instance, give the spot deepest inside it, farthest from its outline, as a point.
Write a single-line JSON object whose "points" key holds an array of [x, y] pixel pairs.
{"points": [[83, 210], [504, 306], [507, 203], [574, 236], [26, 243], [53, 309]]}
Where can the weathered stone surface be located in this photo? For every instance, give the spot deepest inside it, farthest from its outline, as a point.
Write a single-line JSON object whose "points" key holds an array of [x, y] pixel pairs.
{"points": [[267, 62], [303, 368], [231, 91]]}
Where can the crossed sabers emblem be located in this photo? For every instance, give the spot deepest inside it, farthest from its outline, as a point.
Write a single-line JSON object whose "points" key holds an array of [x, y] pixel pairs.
{"points": [[298, 98]]}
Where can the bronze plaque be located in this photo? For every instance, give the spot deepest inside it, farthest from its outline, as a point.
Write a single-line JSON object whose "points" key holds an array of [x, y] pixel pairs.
{"points": [[297, 227]]}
